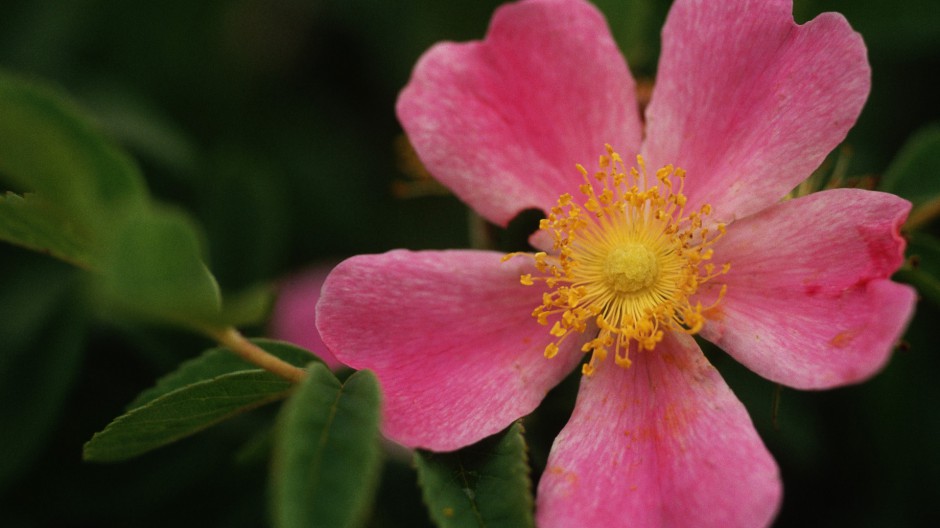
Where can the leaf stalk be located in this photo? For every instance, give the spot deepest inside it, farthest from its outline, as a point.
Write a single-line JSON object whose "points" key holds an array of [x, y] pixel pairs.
{"points": [[232, 339]]}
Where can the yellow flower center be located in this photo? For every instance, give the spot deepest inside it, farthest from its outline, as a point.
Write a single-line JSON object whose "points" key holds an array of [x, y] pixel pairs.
{"points": [[628, 259], [630, 268]]}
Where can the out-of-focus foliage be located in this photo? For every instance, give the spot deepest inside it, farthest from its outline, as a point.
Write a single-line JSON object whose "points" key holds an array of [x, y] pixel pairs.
{"points": [[913, 175], [924, 266], [271, 124]]}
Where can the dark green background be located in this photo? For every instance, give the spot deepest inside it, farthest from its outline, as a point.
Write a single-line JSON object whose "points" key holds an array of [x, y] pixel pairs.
{"points": [[272, 122]]}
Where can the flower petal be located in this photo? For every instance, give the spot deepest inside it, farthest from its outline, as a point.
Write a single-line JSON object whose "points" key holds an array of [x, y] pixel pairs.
{"points": [[503, 122], [748, 102], [451, 338], [809, 303], [663, 443], [294, 314]]}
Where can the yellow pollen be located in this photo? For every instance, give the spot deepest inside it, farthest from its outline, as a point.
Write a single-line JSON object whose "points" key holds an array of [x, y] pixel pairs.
{"points": [[631, 268], [625, 263]]}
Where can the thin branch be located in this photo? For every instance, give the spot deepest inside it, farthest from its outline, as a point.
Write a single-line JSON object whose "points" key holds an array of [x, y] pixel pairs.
{"points": [[237, 343]]}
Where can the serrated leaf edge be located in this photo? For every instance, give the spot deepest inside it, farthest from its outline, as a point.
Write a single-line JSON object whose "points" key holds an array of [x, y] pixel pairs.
{"points": [[88, 448], [261, 342]]}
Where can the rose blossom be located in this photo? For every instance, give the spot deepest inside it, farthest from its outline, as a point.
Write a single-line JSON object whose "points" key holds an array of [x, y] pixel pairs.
{"points": [[684, 232]]}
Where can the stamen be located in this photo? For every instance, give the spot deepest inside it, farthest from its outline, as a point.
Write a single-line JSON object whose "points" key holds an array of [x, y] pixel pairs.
{"points": [[628, 260]]}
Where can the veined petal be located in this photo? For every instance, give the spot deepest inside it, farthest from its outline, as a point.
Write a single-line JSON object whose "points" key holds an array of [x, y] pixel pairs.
{"points": [[663, 443], [809, 303], [451, 338], [749, 102], [503, 122]]}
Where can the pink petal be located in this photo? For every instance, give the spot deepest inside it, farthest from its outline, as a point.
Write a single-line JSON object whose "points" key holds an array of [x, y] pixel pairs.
{"points": [[451, 338], [809, 303], [663, 443], [503, 122], [293, 316], [748, 102]]}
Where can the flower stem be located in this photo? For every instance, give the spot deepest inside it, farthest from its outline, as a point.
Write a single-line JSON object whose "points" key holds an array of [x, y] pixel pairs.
{"points": [[237, 343]]}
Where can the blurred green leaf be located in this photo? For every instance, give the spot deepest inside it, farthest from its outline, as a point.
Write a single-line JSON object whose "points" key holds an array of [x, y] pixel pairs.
{"points": [[154, 268], [246, 307], [183, 412], [91, 207], [216, 362], [915, 174], [30, 223], [485, 485], [924, 271], [42, 328], [141, 126], [326, 453], [48, 146]]}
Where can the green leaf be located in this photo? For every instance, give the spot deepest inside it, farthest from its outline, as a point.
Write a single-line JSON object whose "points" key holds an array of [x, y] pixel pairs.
{"points": [[153, 268], [89, 206], [216, 362], [485, 485], [326, 453], [29, 222], [913, 173], [924, 270], [79, 186], [140, 125], [49, 147], [183, 412], [246, 307]]}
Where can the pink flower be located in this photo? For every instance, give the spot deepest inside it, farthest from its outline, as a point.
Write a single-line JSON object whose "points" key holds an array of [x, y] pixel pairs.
{"points": [[293, 316], [635, 259]]}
